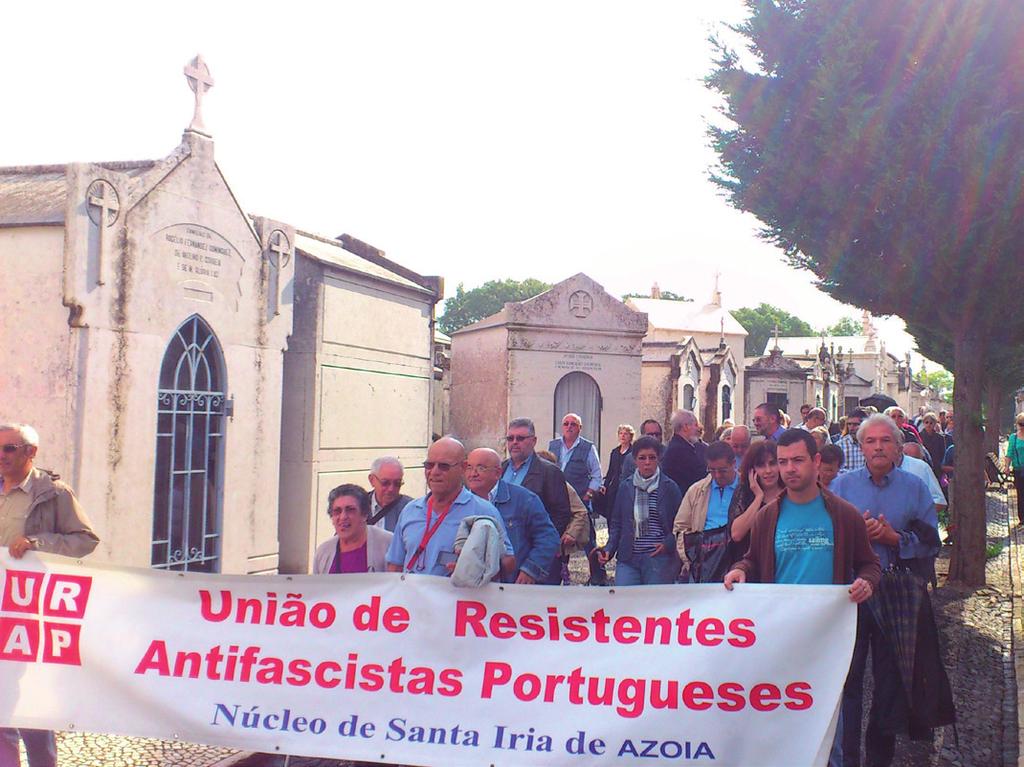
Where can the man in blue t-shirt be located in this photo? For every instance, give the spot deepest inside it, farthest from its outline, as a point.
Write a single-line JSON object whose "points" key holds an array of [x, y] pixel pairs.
{"points": [[794, 540]]}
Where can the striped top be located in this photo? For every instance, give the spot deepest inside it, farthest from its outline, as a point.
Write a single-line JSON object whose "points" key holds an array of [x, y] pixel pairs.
{"points": [[654, 537]]}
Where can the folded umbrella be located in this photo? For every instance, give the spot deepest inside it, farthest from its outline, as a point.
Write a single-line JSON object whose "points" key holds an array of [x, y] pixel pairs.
{"points": [[895, 606]]}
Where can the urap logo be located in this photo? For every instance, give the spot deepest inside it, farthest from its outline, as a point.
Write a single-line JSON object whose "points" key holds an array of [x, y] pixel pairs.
{"points": [[39, 616]]}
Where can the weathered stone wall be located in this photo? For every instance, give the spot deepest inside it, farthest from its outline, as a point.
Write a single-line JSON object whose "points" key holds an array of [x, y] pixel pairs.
{"points": [[656, 394], [534, 373], [39, 372], [362, 389], [480, 408], [179, 246]]}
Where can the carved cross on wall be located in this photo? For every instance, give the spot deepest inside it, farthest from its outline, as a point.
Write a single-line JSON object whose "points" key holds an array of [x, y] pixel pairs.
{"points": [[199, 80], [580, 304], [103, 206], [280, 254]]}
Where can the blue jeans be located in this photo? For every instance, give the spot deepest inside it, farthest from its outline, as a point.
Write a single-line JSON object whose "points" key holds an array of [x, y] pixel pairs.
{"points": [[554, 573], [40, 746], [645, 570], [835, 757]]}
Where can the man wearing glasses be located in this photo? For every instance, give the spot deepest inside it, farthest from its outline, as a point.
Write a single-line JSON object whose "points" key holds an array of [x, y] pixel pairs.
{"points": [[707, 503], [424, 539], [526, 469], [853, 456], [387, 501], [529, 526], [577, 458], [36, 512]]}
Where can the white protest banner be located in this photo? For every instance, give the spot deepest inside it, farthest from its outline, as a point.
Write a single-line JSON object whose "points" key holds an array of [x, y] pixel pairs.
{"points": [[414, 671]]}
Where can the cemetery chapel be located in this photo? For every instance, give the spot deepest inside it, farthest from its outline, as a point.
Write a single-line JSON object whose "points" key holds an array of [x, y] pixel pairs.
{"points": [[202, 377]]}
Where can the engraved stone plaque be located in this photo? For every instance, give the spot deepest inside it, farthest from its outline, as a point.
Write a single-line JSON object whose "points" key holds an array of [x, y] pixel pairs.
{"points": [[202, 263]]}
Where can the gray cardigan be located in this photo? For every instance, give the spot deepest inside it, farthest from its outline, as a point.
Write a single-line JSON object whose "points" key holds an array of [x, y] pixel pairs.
{"points": [[377, 543]]}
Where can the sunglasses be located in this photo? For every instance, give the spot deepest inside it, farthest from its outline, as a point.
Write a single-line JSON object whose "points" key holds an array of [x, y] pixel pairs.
{"points": [[518, 437], [429, 465], [12, 448]]}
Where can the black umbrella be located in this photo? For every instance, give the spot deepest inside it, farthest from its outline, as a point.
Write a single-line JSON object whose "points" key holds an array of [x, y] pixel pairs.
{"points": [[895, 607], [879, 401]]}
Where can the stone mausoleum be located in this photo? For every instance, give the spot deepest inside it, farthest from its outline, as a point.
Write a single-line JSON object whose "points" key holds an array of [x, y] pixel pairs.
{"points": [[692, 360], [193, 369], [574, 348]]}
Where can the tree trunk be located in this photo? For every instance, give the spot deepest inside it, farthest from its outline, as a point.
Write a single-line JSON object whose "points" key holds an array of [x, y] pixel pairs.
{"points": [[967, 562], [994, 394]]}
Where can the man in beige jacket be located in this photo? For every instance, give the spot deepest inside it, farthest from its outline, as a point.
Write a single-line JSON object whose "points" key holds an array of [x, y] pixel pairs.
{"points": [[40, 513], [706, 504]]}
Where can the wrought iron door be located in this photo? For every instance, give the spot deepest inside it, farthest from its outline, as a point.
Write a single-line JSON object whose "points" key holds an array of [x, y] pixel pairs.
{"points": [[188, 487]]}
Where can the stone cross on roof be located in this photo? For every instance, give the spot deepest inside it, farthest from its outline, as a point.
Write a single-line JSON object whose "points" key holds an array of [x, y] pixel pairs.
{"points": [[199, 80], [776, 335], [101, 199], [280, 255]]}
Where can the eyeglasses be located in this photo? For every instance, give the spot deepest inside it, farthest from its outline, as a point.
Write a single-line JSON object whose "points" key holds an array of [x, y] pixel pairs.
{"points": [[12, 448], [479, 468], [518, 437], [430, 465], [389, 482], [570, 423]]}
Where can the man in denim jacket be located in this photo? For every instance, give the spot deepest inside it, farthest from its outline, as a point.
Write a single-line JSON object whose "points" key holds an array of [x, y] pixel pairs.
{"points": [[534, 538]]}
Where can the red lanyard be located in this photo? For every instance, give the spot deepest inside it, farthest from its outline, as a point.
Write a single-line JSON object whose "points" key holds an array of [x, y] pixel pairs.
{"points": [[428, 532]]}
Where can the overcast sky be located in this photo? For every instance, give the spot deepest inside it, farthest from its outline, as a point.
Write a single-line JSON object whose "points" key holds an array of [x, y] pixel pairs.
{"points": [[475, 140]]}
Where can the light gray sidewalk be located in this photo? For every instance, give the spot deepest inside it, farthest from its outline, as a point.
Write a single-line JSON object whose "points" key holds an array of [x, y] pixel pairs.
{"points": [[81, 749]]}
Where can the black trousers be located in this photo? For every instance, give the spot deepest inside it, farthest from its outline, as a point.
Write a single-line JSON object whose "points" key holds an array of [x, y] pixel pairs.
{"points": [[40, 747], [880, 738]]}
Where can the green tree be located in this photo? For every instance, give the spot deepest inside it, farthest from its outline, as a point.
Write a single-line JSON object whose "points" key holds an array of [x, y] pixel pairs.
{"points": [[892, 170], [939, 381], [468, 306], [760, 323], [1003, 376], [847, 326], [666, 295]]}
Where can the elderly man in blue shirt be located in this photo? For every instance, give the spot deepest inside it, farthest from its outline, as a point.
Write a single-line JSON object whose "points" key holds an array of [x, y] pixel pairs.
{"points": [[424, 539], [900, 516], [534, 538]]}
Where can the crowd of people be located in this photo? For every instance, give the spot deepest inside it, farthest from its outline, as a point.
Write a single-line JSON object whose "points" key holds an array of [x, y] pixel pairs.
{"points": [[779, 503], [810, 503]]}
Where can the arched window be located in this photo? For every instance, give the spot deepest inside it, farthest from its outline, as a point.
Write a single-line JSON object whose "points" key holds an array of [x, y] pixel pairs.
{"points": [[578, 393], [689, 402], [188, 486]]}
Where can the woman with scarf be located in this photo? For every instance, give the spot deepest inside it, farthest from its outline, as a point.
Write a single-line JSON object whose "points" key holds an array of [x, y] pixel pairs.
{"points": [[640, 522]]}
